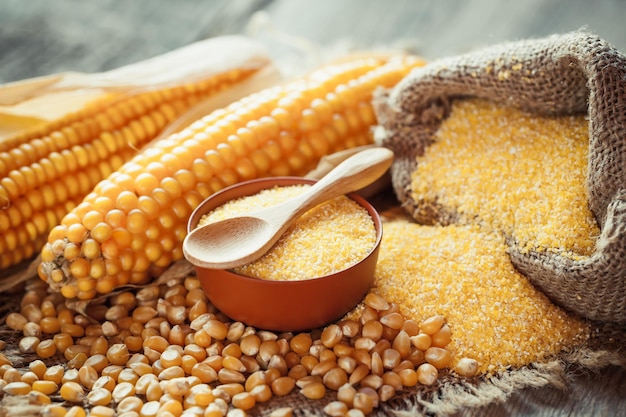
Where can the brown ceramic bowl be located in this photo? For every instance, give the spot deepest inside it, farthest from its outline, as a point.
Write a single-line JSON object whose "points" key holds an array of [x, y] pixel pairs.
{"points": [[285, 305]]}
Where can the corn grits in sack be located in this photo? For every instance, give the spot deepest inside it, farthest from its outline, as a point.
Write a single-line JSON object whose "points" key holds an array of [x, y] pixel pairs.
{"points": [[562, 86]]}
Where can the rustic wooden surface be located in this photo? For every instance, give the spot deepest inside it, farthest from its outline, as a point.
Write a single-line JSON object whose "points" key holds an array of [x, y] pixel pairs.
{"points": [[39, 37]]}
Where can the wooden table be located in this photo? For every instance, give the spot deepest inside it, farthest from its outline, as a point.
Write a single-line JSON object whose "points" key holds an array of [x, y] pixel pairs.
{"points": [[39, 37]]}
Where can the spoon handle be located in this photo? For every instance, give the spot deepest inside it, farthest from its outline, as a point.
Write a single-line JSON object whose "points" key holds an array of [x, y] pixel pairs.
{"points": [[356, 172]]}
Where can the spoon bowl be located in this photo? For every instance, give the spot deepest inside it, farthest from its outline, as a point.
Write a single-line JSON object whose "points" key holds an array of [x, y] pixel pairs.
{"points": [[285, 305], [218, 246]]}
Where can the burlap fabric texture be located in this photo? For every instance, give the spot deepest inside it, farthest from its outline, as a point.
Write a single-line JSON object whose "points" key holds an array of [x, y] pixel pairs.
{"points": [[561, 74]]}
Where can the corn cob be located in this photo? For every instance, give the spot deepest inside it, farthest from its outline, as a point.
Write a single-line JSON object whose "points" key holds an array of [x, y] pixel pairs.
{"points": [[46, 171], [131, 227]]}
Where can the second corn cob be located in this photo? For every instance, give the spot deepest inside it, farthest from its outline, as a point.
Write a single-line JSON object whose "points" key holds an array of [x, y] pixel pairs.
{"points": [[132, 225], [46, 171]]}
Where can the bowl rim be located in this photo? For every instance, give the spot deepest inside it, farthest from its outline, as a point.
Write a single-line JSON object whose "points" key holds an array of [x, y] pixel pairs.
{"points": [[378, 226]]}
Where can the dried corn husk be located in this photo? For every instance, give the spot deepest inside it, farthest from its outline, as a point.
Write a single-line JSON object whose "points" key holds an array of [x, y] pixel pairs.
{"points": [[26, 103]]}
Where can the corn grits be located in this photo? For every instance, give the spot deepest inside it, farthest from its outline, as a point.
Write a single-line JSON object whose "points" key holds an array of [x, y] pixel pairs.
{"points": [[327, 239]]}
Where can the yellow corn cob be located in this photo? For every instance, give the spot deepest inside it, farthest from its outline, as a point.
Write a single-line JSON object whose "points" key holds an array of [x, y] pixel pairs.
{"points": [[46, 172], [132, 225]]}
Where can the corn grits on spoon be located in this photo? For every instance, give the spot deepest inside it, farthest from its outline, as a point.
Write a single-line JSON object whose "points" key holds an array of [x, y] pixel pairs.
{"points": [[237, 241]]}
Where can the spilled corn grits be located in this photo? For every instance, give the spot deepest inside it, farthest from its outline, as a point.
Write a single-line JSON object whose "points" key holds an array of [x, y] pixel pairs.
{"points": [[326, 239], [504, 173], [514, 172], [464, 273]]}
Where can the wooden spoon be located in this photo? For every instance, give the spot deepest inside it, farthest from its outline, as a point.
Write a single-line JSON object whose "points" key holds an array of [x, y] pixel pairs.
{"points": [[237, 241]]}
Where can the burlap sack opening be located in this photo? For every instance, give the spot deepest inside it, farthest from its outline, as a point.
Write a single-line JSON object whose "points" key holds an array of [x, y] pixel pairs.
{"points": [[563, 74]]}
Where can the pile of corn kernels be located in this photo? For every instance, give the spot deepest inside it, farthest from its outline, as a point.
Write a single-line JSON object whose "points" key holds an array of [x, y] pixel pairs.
{"points": [[164, 351]]}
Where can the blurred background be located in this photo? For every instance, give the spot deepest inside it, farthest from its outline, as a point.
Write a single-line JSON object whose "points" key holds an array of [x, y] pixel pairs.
{"points": [[39, 37]]}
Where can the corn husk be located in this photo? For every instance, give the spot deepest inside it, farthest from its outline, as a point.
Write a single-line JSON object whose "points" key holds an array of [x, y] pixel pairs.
{"points": [[27, 103]]}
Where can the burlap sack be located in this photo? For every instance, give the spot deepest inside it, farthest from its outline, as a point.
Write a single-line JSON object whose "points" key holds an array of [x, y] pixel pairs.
{"points": [[562, 74]]}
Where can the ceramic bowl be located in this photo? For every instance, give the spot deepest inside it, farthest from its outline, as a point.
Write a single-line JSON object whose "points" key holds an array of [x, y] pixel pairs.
{"points": [[285, 305]]}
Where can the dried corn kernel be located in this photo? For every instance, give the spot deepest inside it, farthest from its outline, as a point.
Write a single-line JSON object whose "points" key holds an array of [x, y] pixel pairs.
{"points": [[72, 392], [283, 386], [314, 390], [427, 374], [466, 367], [282, 412], [17, 388]]}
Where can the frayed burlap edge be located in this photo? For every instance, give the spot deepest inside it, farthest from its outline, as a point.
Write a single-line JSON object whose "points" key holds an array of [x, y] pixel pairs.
{"points": [[562, 74]]}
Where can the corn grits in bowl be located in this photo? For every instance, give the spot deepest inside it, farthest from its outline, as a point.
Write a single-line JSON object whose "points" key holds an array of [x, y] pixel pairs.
{"points": [[318, 271]]}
